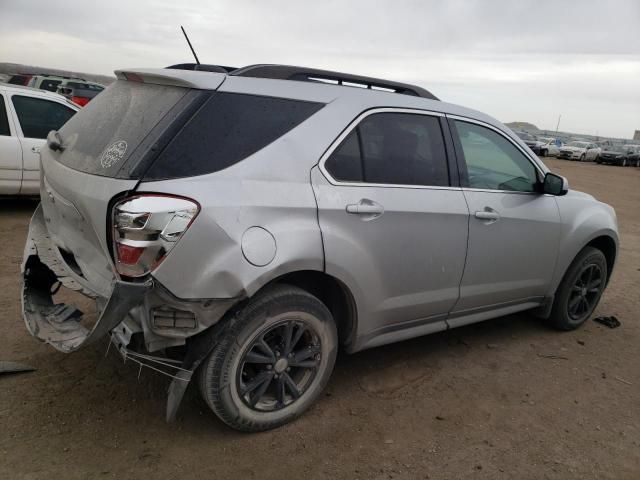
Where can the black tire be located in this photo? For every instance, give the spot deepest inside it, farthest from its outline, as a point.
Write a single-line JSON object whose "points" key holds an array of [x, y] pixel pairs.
{"points": [[543, 153], [623, 163], [582, 157], [562, 316], [224, 374]]}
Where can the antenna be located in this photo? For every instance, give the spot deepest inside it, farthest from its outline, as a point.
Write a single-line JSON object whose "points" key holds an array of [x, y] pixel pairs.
{"points": [[191, 47]]}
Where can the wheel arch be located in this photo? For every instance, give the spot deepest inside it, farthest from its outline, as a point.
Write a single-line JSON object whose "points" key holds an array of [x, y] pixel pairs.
{"points": [[330, 291], [608, 246]]}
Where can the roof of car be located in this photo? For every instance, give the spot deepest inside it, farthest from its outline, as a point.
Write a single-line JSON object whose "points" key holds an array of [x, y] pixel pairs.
{"points": [[11, 88]]}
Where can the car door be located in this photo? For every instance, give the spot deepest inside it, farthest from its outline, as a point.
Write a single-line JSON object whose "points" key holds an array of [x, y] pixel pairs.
{"points": [[36, 118], [10, 152], [394, 229], [514, 231]]}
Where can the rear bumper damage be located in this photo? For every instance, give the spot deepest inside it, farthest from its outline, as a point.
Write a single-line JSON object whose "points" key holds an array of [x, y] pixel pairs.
{"points": [[127, 311]]}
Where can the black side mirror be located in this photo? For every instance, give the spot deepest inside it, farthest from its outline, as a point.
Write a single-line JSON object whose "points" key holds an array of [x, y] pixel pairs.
{"points": [[555, 184]]}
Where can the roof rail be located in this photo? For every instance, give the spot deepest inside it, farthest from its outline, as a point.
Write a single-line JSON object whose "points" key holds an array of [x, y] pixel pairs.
{"points": [[203, 67], [287, 72]]}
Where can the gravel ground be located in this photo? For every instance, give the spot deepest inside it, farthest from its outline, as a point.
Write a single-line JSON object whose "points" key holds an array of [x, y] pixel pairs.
{"points": [[508, 398]]}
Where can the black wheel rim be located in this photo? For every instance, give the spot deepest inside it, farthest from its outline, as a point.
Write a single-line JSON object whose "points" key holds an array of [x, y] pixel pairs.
{"points": [[279, 366], [585, 292]]}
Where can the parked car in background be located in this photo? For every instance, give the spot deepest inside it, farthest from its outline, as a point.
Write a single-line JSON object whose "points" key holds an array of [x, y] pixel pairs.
{"points": [[49, 82], [20, 79], [582, 151], [546, 146], [79, 93], [27, 115], [251, 223], [623, 155], [528, 138]]}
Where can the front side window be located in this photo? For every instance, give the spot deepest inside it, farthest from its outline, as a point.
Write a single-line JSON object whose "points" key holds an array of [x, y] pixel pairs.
{"points": [[38, 117], [4, 120], [394, 149], [493, 162]]}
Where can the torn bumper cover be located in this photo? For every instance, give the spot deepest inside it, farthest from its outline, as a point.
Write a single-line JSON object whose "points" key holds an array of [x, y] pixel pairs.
{"points": [[122, 314], [59, 324]]}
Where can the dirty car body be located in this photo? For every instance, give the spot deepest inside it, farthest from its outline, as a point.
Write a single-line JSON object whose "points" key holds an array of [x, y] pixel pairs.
{"points": [[179, 200]]}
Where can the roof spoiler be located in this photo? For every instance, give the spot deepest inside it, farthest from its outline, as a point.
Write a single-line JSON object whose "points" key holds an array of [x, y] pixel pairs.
{"points": [[173, 77]]}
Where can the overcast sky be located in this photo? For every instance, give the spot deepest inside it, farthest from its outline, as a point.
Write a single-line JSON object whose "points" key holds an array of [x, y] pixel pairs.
{"points": [[527, 60]]}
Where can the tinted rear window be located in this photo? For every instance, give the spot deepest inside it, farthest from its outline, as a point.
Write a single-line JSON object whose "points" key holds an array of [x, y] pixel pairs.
{"points": [[227, 129], [108, 135]]}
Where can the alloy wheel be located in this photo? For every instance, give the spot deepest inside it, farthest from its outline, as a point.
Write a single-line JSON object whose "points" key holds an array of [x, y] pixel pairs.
{"points": [[585, 291], [279, 366]]}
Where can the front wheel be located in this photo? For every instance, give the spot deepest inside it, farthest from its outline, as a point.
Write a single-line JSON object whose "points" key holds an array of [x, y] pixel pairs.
{"points": [[624, 162], [580, 290], [582, 157], [273, 361], [543, 153]]}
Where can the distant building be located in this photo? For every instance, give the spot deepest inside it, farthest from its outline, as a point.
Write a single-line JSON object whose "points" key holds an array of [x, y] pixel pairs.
{"points": [[636, 135]]}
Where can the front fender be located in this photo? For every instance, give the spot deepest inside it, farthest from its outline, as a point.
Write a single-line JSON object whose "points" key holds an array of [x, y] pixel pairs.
{"points": [[583, 220]]}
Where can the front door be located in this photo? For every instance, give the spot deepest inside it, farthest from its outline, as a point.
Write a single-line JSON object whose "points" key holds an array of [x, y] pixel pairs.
{"points": [[514, 231], [393, 228]]}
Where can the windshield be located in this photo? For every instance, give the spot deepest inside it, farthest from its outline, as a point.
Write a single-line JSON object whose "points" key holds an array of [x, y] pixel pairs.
{"points": [[578, 144]]}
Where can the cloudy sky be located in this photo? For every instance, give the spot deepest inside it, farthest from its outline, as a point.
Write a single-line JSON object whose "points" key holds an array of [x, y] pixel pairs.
{"points": [[527, 60]]}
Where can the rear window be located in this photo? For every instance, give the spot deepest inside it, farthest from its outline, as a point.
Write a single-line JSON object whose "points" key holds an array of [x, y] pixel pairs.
{"points": [[227, 129], [108, 136]]}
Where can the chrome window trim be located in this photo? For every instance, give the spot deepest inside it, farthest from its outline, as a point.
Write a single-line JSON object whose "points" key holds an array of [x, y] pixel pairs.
{"points": [[354, 123]]}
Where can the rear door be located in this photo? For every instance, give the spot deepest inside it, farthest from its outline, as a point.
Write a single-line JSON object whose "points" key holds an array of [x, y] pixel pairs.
{"points": [[10, 152], [393, 227], [514, 231], [36, 117]]}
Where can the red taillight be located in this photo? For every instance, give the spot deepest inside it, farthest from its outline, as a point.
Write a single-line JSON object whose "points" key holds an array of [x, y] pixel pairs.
{"points": [[82, 101], [127, 254], [146, 227]]}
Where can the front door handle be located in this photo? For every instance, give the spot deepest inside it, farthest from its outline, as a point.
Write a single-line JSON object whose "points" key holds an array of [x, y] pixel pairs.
{"points": [[488, 214], [35, 149], [366, 207]]}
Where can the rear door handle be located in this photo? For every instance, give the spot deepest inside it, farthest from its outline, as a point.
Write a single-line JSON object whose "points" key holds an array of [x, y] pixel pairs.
{"points": [[488, 214], [366, 207]]}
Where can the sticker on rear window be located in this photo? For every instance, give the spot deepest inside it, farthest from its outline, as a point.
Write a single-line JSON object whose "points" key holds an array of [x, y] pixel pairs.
{"points": [[113, 154]]}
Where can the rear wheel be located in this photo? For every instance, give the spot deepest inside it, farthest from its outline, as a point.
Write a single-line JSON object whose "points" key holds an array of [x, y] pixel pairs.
{"points": [[273, 361], [580, 290], [624, 162]]}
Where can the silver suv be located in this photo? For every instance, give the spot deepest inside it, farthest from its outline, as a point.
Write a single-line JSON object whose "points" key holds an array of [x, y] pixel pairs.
{"points": [[240, 226]]}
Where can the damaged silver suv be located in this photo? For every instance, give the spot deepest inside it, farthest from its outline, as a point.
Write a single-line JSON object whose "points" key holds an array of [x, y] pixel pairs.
{"points": [[241, 225]]}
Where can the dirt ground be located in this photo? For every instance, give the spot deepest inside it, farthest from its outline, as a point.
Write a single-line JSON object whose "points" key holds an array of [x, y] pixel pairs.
{"points": [[483, 401]]}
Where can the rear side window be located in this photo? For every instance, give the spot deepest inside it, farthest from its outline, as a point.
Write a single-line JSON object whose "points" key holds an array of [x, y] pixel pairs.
{"points": [[38, 117], [394, 149], [227, 129], [4, 120]]}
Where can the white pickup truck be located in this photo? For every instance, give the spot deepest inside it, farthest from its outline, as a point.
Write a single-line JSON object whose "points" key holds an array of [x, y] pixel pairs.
{"points": [[27, 115]]}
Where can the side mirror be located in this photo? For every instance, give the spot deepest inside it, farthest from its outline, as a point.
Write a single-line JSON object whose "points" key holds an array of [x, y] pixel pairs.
{"points": [[555, 184]]}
